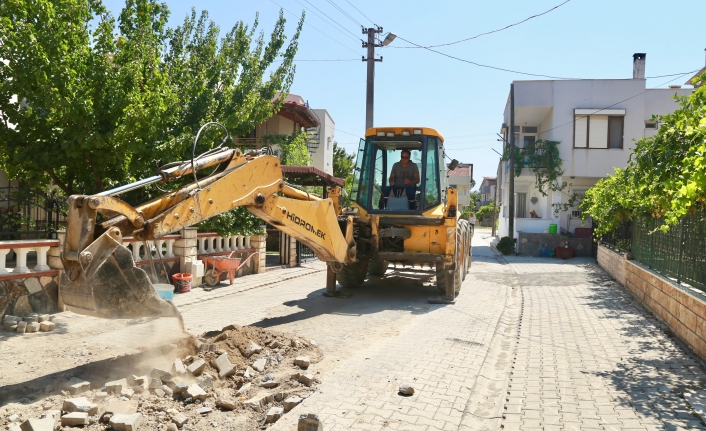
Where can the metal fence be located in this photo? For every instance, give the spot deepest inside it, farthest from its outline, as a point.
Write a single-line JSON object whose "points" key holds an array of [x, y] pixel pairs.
{"points": [[678, 253], [619, 239], [27, 213]]}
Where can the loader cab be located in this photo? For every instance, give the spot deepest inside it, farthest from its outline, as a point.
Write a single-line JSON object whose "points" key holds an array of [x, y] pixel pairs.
{"points": [[413, 154]]}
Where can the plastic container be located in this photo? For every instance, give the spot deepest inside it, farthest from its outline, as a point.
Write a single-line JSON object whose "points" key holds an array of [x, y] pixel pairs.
{"points": [[182, 282], [552, 228], [165, 291]]}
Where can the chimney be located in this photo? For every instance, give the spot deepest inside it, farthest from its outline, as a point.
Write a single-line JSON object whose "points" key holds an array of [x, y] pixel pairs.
{"points": [[638, 65]]}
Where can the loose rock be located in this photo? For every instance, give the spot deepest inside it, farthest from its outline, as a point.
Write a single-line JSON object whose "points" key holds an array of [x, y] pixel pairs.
{"points": [[46, 424], [302, 361], [406, 390], [306, 379], [197, 367], [309, 422], [194, 391], [74, 419], [77, 386], [46, 326], [32, 327], [179, 420], [203, 410], [243, 390], [273, 414], [260, 364], [291, 402], [205, 381], [115, 386], [161, 374], [80, 404], [179, 367], [250, 348], [225, 368], [121, 422]]}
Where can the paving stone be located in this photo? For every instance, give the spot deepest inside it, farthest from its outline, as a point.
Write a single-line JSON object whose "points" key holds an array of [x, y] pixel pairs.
{"points": [[259, 402], [291, 402], [250, 348], [32, 327], [44, 318], [80, 404], [179, 420], [225, 368], [273, 414], [21, 327], [9, 325], [121, 422], [31, 318], [160, 374], [179, 367], [167, 391], [116, 386], [74, 419], [46, 424], [302, 361], [117, 406], [77, 386], [100, 395], [159, 392], [259, 365], [205, 381], [127, 392], [306, 379], [196, 392], [155, 383], [180, 387], [197, 367], [46, 326]]}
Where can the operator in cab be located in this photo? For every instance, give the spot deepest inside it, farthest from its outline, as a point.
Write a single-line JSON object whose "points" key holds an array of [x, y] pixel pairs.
{"points": [[404, 177]]}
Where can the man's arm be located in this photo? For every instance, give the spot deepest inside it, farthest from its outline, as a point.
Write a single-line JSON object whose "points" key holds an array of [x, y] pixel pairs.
{"points": [[415, 175], [393, 175]]}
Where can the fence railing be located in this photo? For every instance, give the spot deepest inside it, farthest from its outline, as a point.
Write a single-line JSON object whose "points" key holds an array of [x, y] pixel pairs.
{"points": [[678, 253], [27, 213], [619, 239]]}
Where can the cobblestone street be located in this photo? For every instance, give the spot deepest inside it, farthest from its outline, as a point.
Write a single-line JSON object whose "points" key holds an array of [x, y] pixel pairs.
{"points": [[530, 344]]}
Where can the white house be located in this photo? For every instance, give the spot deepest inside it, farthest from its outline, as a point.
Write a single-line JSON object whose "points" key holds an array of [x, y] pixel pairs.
{"points": [[487, 191], [596, 121], [461, 178], [322, 155]]}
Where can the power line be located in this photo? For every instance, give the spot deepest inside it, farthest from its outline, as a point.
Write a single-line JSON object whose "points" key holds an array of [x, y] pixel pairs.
{"points": [[354, 59], [487, 32], [347, 133], [345, 13], [366, 17], [307, 23], [333, 20]]}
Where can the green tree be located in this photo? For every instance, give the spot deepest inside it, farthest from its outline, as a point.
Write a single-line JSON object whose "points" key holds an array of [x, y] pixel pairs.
{"points": [[666, 176], [474, 198], [343, 162]]}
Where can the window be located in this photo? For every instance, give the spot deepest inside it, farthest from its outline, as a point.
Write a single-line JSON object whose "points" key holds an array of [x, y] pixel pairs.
{"points": [[598, 128], [650, 125], [432, 194], [529, 129], [521, 205]]}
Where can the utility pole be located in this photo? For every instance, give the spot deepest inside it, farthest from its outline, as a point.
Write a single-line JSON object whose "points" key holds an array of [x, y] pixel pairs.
{"points": [[511, 191], [370, 90]]}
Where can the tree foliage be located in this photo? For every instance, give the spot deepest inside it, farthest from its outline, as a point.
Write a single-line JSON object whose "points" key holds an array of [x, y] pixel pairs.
{"points": [[666, 175], [89, 102], [485, 212], [291, 149], [343, 162], [474, 198]]}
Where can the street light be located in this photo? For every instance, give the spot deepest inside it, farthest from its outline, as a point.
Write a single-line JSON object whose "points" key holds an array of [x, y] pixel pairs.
{"points": [[389, 38]]}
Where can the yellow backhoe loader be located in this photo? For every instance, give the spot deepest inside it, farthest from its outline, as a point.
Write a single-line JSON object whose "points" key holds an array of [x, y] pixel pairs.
{"points": [[390, 221]]}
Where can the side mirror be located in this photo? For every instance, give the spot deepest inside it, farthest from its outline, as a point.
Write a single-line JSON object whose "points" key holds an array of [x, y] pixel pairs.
{"points": [[453, 164]]}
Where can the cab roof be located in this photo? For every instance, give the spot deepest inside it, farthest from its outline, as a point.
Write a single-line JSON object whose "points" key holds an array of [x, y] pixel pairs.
{"points": [[398, 131]]}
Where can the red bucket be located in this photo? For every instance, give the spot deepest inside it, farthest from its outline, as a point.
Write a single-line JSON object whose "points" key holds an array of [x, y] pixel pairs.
{"points": [[182, 282]]}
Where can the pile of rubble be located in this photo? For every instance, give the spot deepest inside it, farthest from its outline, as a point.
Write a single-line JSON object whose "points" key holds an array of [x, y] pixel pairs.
{"points": [[240, 377], [30, 323]]}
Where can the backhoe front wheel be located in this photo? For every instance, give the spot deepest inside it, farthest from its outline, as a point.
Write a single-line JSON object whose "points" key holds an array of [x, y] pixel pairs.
{"points": [[442, 274], [378, 267], [352, 274]]}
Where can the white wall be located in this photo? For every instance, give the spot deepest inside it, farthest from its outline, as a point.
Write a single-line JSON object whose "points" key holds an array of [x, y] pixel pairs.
{"points": [[323, 157]]}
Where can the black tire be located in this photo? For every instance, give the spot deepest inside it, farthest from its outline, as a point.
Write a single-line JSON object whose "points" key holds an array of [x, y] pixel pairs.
{"points": [[442, 275], [353, 274], [210, 279], [378, 267]]}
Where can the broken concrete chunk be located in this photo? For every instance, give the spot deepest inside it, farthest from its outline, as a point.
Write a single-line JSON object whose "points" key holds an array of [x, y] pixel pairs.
{"points": [[291, 402], [21, 327], [9, 325], [127, 393], [159, 392], [225, 368], [243, 390], [274, 344], [99, 396], [117, 406], [309, 422], [180, 387], [32, 327], [46, 424], [121, 422], [203, 410], [31, 318], [43, 318], [306, 379], [197, 367], [77, 386], [10, 318], [259, 365], [172, 427], [279, 358], [208, 347], [179, 367], [302, 361], [167, 390], [205, 381], [115, 386], [260, 401], [250, 348], [74, 419], [270, 384], [225, 403], [155, 383], [313, 343], [194, 391], [179, 420], [46, 326], [80, 404], [249, 373], [406, 389], [296, 344], [273, 414], [161, 374]]}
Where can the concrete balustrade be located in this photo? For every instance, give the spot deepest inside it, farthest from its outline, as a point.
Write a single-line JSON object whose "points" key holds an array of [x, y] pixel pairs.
{"points": [[21, 249], [209, 243], [163, 248]]}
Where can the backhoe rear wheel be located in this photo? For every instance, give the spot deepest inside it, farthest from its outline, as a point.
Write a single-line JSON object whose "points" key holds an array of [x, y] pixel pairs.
{"points": [[352, 274], [442, 275], [378, 267]]}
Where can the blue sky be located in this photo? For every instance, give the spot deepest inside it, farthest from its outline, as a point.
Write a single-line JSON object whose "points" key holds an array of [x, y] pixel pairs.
{"points": [[580, 39]]}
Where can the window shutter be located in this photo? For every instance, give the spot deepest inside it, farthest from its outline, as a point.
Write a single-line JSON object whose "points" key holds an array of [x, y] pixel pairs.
{"points": [[598, 133], [580, 130]]}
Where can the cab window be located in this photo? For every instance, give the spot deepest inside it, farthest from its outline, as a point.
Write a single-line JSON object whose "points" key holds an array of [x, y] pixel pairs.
{"points": [[432, 193]]}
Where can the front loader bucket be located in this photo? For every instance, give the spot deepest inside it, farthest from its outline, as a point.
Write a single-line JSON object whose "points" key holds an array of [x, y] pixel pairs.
{"points": [[106, 283]]}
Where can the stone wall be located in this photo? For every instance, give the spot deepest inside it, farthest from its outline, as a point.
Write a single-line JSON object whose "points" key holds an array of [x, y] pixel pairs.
{"points": [[683, 311], [529, 244], [31, 294]]}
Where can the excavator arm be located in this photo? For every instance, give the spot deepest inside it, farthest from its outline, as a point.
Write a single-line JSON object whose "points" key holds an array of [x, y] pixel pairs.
{"points": [[100, 278]]}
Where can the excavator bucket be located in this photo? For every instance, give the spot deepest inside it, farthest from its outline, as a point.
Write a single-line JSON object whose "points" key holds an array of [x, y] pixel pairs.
{"points": [[106, 283]]}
